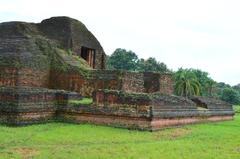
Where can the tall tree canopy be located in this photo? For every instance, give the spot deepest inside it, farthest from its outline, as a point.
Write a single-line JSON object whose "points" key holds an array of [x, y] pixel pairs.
{"points": [[122, 59], [151, 64], [186, 83], [230, 95]]}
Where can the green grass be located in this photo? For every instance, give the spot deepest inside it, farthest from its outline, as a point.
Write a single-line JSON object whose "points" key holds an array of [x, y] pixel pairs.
{"points": [[84, 101], [236, 108], [58, 140]]}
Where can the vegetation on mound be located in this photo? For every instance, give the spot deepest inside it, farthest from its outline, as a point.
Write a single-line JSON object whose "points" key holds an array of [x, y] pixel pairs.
{"points": [[57, 140], [84, 101], [236, 108]]}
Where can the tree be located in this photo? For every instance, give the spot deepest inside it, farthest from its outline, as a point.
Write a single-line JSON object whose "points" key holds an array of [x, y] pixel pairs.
{"points": [[207, 84], [210, 87], [186, 83], [230, 95], [122, 59], [151, 65], [237, 88]]}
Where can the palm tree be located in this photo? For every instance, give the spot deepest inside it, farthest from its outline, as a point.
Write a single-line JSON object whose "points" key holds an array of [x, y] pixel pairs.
{"points": [[210, 86], [186, 83]]}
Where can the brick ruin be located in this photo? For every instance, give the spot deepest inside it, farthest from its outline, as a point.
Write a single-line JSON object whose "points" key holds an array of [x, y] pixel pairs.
{"points": [[44, 66]]}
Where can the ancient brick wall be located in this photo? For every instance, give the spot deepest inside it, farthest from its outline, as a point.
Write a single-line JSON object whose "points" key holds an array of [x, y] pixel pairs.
{"points": [[73, 35], [112, 80], [100, 60], [33, 78], [133, 82], [8, 76], [85, 85], [166, 84], [23, 77], [24, 105], [211, 103], [151, 82], [123, 104]]}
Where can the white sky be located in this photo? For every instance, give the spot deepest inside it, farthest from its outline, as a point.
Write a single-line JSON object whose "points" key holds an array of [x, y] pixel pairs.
{"points": [[202, 34]]}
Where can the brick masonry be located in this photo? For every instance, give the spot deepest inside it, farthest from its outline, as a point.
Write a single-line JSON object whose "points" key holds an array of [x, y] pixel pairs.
{"points": [[41, 71], [113, 80], [26, 105]]}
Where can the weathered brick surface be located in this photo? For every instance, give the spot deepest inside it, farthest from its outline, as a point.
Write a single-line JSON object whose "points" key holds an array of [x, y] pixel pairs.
{"points": [[166, 84], [33, 78], [211, 103], [39, 60], [133, 82], [112, 80], [157, 124], [26, 105], [72, 34], [8, 76]]}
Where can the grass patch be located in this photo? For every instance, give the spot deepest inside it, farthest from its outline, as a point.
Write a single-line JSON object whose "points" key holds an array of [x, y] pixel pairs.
{"points": [[84, 101], [236, 108], [201, 108], [219, 140]]}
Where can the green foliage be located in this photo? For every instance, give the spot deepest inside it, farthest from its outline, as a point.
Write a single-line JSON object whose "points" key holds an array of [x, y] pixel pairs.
{"points": [[230, 95], [69, 51], [84, 101], [236, 108], [237, 88], [186, 83], [122, 59], [208, 85], [209, 88], [151, 65], [59, 140]]}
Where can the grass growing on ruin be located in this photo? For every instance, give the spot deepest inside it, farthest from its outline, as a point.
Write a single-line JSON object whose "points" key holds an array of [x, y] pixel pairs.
{"points": [[59, 140], [236, 108], [84, 101]]}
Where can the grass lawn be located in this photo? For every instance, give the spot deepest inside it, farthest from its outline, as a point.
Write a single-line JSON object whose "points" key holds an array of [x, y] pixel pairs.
{"points": [[84, 101], [68, 141]]}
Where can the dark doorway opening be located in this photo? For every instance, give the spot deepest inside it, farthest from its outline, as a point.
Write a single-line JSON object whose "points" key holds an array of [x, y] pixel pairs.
{"points": [[201, 105], [89, 55]]}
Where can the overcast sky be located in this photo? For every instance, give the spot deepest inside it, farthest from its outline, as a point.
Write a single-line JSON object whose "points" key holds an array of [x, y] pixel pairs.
{"points": [[202, 34]]}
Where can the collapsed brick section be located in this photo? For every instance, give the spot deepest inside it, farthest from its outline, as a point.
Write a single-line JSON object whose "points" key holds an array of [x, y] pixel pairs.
{"points": [[211, 103]]}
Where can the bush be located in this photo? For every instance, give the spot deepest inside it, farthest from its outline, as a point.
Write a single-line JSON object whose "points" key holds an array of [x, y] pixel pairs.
{"points": [[236, 108]]}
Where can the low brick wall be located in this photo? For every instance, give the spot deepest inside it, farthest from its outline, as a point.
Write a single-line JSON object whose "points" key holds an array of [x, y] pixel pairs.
{"points": [[157, 124], [84, 82], [141, 111], [26, 105], [113, 80]]}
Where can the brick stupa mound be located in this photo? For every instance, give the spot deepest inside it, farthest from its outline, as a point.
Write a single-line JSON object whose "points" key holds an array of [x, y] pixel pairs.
{"points": [[45, 66]]}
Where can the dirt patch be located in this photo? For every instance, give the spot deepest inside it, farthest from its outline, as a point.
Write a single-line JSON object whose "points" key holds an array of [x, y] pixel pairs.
{"points": [[238, 149], [172, 133], [26, 153]]}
